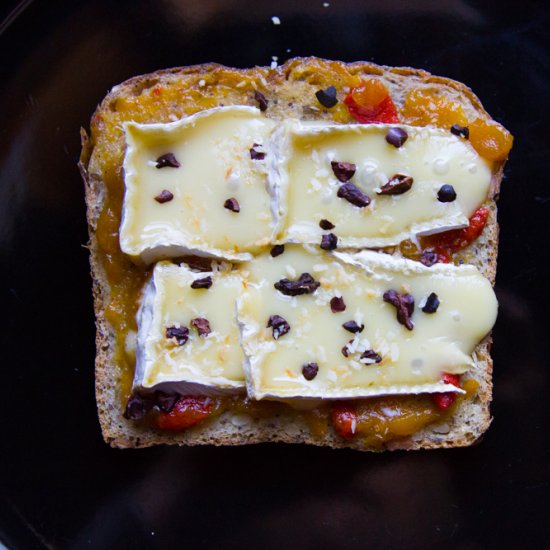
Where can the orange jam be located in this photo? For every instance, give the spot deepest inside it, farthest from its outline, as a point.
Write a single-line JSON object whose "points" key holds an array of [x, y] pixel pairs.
{"points": [[491, 140], [424, 106]]}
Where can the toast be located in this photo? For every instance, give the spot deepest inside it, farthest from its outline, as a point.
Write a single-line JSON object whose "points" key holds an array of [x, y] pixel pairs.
{"points": [[290, 91]]}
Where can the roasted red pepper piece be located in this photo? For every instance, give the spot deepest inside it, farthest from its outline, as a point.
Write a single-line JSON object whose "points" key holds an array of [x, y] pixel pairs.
{"points": [[446, 399], [344, 420], [443, 244], [371, 103], [188, 411]]}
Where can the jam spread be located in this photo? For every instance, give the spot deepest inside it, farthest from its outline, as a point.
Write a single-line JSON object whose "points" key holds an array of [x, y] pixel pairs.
{"points": [[375, 420]]}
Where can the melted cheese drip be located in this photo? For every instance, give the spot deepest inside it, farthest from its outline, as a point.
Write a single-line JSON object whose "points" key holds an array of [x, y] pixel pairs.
{"points": [[202, 363], [213, 149], [413, 361], [433, 157]]}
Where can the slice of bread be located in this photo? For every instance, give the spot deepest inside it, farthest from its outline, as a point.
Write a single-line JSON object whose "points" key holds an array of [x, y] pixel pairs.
{"points": [[290, 92]]}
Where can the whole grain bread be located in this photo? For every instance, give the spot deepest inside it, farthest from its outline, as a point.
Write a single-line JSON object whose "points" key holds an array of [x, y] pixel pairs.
{"points": [[290, 92]]}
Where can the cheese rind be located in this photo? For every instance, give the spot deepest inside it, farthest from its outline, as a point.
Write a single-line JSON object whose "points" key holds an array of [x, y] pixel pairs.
{"points": [[412, 361], [213, 150], [431, 156], [202, 365]]}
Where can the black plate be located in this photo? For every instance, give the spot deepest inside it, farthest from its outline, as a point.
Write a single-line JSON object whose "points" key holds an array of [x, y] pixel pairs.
{"points": [[62, 486]]}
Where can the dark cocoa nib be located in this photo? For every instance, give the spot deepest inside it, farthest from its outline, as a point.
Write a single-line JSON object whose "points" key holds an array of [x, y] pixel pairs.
{"points": [[326, 225], [397, 185], [371, 354], [329, 242], [396, 137], [164, 196], [327, 98], [462, 131], [202, 325], [343, 170], [262, 101], [205, 282], [432, 303], [167, 161], [137, 407], [310, 371], [165, 401], [404, 304], [277, 250], [354, 195], [279, 326], [428, 257], [446, 193], [232, 204], [345, 350], [306, 284], [181, 334], [352, 326], [255, 154], [337, 304]]}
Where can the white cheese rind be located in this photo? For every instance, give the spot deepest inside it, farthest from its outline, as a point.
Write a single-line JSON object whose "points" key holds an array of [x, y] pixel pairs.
{"points": [[433, 157], [213, 149], [413, 361], [209, 365]]}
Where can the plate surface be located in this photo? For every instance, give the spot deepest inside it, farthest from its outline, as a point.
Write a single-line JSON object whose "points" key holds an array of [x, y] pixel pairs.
{"points": [[61, 485]]}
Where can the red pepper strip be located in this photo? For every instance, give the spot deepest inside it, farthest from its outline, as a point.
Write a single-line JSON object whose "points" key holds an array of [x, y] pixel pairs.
{"points": [[451, 241], [446, 399], [384, 112], [188, 411], [344, 420]]}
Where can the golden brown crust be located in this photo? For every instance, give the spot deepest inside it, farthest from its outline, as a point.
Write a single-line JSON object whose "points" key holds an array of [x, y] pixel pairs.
{"points": [[293, 84]]}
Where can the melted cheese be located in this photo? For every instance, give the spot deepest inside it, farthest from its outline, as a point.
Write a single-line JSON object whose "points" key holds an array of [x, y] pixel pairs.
{"points": [[213, 149], [432, 157], [211, 364], [412, 361]]}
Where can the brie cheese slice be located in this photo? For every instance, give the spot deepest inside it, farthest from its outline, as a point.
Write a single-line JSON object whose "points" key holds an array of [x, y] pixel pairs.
{"points": [[203, 364], [432, 157], [173, 210], [410, 361]]}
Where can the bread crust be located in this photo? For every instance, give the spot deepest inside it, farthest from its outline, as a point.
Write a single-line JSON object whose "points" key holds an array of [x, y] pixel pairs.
{"points": [[290, 80]]}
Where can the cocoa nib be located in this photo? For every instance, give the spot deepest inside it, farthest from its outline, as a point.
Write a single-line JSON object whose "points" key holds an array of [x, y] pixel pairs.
{"points": [[164, 196], [255, 154], [354, 195], [396, 137], [429, 257], [343, 170], [310, 371], [327, 98], [205, 282], [277, 250], [232, 204], [397, 185], [279, 326], [262, 101], [337, 304], [372, 355], [181, 334], [404, 304], [306, 284], [326, 225], [329, 242], [202, 325], [446, 193], [432, 303], [167, 161], [165, 401], [352, 326], [462, 131], [137, 407]]}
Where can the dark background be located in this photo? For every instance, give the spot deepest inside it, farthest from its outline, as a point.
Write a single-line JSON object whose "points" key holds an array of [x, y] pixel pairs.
{"points": [[61, 485]]}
